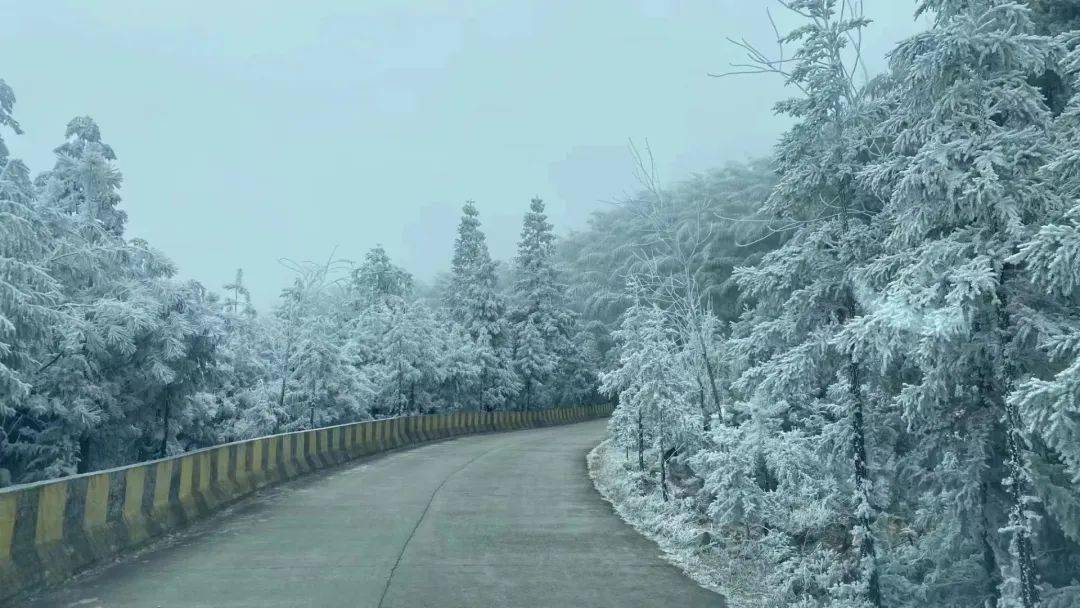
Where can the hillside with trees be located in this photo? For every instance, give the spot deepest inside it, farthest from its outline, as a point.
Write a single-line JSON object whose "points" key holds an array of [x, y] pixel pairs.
{"points": [[846, 375], [889, 319]]}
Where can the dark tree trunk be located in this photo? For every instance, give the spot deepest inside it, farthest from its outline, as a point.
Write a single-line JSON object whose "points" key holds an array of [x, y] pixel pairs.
{"points": [[663, 473], [709, 372], [84, 455], [1015, 465], [701, 404], [640, 442], [284, 380], [400, 406], [989, 559], [1029, 593], [864, 485], [163, 450]]}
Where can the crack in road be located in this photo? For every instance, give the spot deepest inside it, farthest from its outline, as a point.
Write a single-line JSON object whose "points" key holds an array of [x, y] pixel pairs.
{"points": [[423, 514]]}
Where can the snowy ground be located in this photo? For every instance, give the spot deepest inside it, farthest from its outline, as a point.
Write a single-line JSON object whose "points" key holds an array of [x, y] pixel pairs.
{"points": [[696, 547]]}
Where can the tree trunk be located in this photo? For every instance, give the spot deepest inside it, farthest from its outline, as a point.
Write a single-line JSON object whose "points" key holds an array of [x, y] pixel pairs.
{"points": [[84, 452], [989, 560], [1018, 522], [640, 442], [663, 473], [401, 390], [165, 424], [1018, 478], [709, 370], [701, 403], [284, 377], [863, 487]]}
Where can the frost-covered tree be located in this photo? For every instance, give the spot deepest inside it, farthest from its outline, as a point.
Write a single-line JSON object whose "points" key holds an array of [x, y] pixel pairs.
{"points": [[969, 132], [84, 181], [788, 356], [318, 384], [115, 337], [28, 295], [410, 346], [577, 376], [244, 393], [377, 279], [239, 301], [652, 381], [458, 363], [542, 323], [474, 301], [718, 210], [1045, 396], [680, 245]]}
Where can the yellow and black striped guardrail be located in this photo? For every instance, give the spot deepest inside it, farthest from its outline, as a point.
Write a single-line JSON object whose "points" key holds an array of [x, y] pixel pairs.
{"points": [[51, 530]]}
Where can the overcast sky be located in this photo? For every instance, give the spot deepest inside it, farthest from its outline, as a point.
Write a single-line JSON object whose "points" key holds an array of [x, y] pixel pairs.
{"points": [[252, 131]]}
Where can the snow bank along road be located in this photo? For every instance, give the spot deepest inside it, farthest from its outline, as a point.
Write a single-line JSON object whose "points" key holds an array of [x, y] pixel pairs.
{"points": [[506, 520]]}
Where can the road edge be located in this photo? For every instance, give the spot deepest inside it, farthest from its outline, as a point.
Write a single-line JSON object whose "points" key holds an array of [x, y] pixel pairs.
{"points": [[598, 460]]}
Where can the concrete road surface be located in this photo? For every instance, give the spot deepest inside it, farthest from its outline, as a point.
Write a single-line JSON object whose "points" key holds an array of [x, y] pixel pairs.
{"points": [[500, 520]]}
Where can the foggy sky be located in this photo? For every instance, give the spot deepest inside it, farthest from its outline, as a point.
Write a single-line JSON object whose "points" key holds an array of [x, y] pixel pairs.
{"points": [[253, 131]]}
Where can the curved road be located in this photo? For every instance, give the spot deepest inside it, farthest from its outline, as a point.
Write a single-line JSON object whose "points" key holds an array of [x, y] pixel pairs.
{"points": [[500, 520]]}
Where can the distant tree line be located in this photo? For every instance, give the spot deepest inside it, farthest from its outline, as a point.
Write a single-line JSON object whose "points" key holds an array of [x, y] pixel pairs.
{"points": [[107, 358]]}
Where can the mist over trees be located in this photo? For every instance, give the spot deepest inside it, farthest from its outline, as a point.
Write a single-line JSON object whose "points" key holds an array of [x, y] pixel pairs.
{"points": [[107, 358], [854, 364]]}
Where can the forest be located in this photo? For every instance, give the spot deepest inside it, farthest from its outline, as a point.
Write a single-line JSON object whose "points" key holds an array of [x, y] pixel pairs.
{"points": [[848, 372], [106, 358], [852, 367]]}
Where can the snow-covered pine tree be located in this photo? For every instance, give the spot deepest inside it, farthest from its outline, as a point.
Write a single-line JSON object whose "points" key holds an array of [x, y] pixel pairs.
{"points": [[542, 323], [655, 415], [116, 338], [317, 381], [28, 295], [1047, 395], [789, 353], [474, 302], [244, 391], [968, 134], [84, 182], [377, 279], [458, 363], [239, 298]]}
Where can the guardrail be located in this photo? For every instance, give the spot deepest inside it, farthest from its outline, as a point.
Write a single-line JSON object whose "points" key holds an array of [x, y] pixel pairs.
{"points": [[53, 529]]}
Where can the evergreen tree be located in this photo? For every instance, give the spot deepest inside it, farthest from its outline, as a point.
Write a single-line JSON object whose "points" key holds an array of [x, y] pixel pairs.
{"points": [[1045, 397], [541, 321], [239, 296], [28, 295], [317, 382], [377, 279], [474, 301], [84, 183], [654, 414], [789, 356], [410, 350], [970, 132]]}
